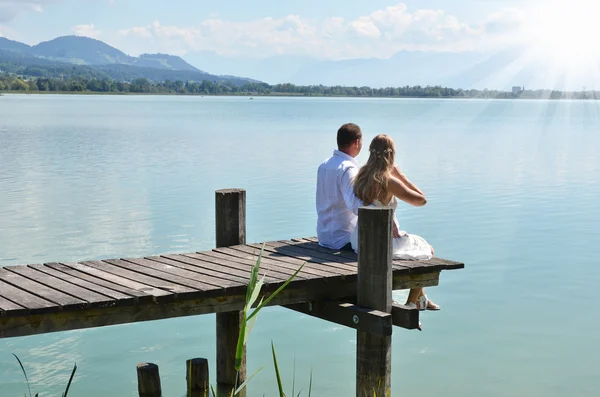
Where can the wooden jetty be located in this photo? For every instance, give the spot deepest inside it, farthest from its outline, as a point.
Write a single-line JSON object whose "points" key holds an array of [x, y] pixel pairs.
{"points": [[337, 286]]}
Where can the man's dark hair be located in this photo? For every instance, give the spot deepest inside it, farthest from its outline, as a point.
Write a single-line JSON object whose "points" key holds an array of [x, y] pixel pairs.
{"points": [[348, 134]]}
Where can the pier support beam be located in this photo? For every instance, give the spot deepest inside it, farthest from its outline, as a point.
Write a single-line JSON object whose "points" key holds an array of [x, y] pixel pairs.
{"points": [[374, 290], [148, 380], [230, 220]]}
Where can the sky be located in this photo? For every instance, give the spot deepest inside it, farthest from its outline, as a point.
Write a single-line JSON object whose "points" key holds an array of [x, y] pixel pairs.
{"points": [[332, 29], [558, 33]]}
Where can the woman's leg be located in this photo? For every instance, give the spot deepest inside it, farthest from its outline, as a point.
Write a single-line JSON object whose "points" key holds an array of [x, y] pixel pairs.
{"points": [[430, 304], [413, 295]]}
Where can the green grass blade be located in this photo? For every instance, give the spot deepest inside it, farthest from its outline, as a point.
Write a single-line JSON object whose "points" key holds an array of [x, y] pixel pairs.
{"points": [[256, 291], [253, 277], [310, 383], [279, 385], [294, 378], [239, 351], [70, 380], [241, 387], [252, 294], [212, 389], [274, 294], [250, 325], [24, 373]]}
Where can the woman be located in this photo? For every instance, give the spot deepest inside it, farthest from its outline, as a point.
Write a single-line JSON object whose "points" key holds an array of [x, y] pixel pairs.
{"points": [[379, 183]]}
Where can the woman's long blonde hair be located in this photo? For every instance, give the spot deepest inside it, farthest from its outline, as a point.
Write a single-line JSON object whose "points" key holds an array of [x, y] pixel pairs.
{"points": [[371, 183]]}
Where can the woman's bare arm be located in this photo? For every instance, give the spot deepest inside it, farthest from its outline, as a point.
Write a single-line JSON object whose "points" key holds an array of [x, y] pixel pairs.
{"points": [[396, 172], [399, 189]]}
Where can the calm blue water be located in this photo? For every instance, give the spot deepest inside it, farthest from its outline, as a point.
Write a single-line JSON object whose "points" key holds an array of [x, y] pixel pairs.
{"points": [[513, 191]]}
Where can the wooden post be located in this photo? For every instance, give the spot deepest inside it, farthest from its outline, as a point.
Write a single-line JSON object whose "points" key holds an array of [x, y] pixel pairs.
{"points": [[148, 380], [373, 352], [230, 217], [196, 375]]}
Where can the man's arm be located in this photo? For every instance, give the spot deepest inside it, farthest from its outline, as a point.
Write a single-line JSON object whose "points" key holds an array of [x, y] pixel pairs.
{"points": [[347, 187]]}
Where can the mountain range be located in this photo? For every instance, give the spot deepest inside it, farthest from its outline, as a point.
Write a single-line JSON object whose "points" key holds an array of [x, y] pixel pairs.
{"points": [[500, 70], [94, 58], [90, 58]]}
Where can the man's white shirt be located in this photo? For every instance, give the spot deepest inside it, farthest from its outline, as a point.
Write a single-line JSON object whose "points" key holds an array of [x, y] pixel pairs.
{"points": [[337, 206]]}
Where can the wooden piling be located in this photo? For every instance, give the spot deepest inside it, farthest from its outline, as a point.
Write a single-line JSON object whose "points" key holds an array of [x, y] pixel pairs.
{"points": [[197, 377], [148, 380], [374, 290], [230, 220]]}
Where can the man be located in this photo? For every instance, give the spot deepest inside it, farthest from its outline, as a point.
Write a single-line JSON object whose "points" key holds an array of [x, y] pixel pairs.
{"points": [[337, 206]]}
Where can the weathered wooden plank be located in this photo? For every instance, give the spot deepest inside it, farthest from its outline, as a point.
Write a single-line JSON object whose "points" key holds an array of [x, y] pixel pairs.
{"points": [[92, 298], [447, 264], [10, 308], [433, 264], [303, 252], [33, 303], [203, 268], [404, 316], [99, 317], [124, 294], [171, 273], [118, 297], [226, 269], [266, 268], [348, 314], [59, 298], [157, 279], [405, 265], [279, 260], [343, 254], [298, 258], [155, 293], [346, 255], [408, 281]]}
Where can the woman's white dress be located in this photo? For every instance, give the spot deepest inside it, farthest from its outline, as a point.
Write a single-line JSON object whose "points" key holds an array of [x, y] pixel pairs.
{"points": [[408, 246]]}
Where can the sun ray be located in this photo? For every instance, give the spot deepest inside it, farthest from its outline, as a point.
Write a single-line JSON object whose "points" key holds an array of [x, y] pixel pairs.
{"points": [[562, 36]]}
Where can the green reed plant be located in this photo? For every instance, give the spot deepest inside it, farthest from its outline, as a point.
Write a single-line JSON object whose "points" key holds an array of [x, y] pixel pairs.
{"points": [[65, 393], [249, 317]]}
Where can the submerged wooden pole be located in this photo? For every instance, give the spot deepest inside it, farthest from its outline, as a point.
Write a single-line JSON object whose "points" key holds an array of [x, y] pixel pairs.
{"points": [[148, 380], [230, 217], [197, 377], [374, 291]]}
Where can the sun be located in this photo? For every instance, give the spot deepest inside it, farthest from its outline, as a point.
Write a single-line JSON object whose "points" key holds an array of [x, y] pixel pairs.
{"points": [[564, 32]]}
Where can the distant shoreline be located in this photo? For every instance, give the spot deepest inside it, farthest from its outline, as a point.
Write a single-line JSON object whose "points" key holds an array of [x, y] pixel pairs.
{"points": [[276, 94]]}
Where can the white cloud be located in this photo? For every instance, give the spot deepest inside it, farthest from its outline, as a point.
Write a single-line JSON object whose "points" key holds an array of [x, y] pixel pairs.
{"points": [[365, 27], [380, 34], [86, 30]]}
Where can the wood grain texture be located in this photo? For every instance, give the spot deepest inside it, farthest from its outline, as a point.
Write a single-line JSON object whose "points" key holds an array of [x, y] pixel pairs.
{"points": [[230, 224], [374, 290]]}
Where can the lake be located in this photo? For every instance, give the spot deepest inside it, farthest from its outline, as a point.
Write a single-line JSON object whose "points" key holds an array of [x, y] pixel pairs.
{"points": [[513, 192]]}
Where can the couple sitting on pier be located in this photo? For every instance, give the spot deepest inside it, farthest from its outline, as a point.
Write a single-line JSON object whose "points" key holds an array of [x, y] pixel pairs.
{"points": [[342, 188]]}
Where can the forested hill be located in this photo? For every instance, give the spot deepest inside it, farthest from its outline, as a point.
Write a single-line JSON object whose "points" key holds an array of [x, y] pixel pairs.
{"points": [[83, 57]]}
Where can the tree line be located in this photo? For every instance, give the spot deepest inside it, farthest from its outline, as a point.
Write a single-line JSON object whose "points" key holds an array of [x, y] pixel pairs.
{"points": [[11, 83]]}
